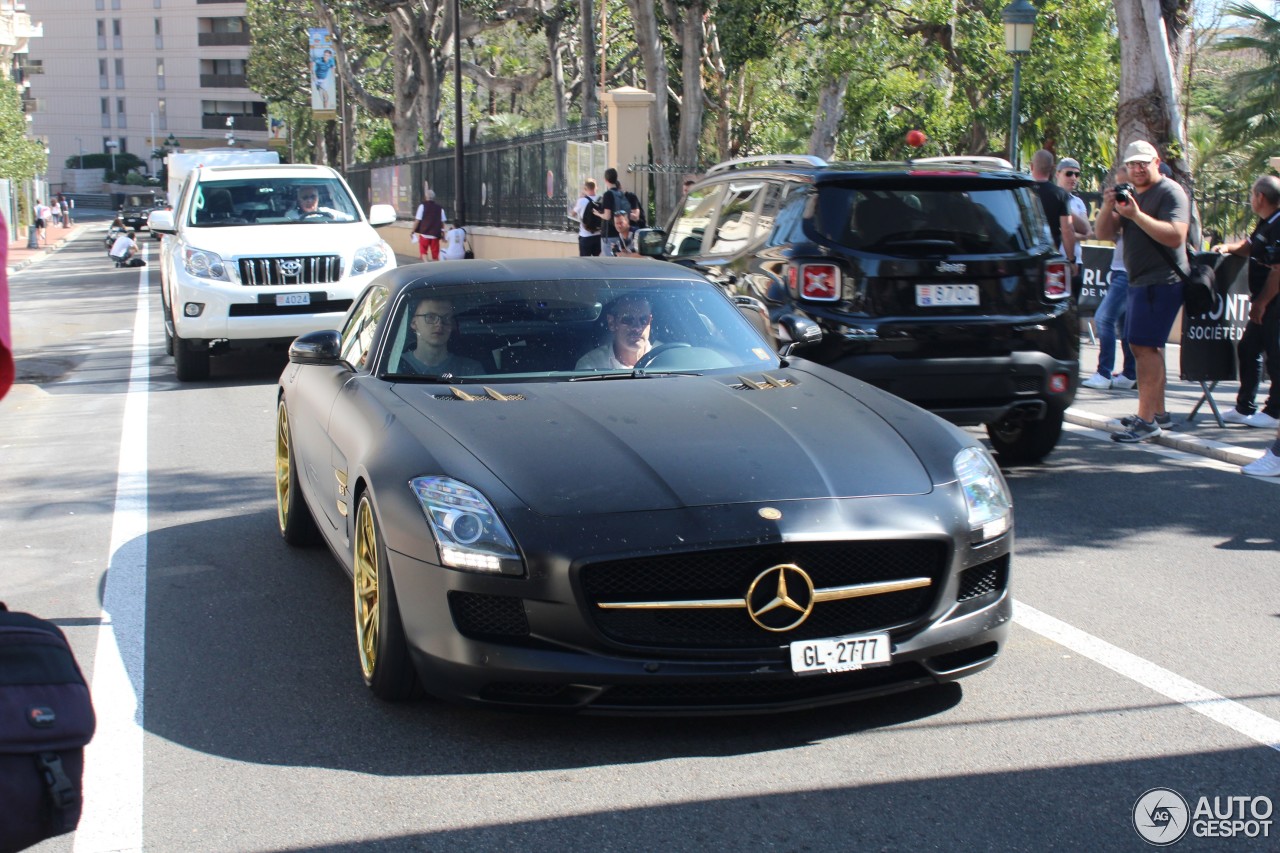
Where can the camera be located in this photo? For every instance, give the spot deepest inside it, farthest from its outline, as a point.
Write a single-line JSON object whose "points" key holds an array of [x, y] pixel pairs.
{"points": [[1124, 193]]}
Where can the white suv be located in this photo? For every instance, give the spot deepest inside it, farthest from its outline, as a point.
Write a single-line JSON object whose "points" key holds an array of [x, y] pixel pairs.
{"points": [[262, 253]]}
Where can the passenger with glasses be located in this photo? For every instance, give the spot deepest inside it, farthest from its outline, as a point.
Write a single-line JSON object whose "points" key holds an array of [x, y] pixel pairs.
{"points": [[308, 207], [432, 322], [629, 320]]}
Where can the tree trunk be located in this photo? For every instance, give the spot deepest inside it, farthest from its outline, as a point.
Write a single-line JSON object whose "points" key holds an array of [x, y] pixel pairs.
{"points": [[1151, 55], [826, 124], [586, 18], [654, 57]]}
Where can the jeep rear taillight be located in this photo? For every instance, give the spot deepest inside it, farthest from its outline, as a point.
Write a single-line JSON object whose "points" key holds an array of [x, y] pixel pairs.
{"points": [[1057, 281], [816, 282]]}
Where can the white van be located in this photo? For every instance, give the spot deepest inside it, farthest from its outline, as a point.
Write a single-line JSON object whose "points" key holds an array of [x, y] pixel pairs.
{"points": [[259, 254]]}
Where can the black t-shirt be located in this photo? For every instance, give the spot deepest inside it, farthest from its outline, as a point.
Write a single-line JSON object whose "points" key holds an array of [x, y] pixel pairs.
{"points": [[1267, 233], [608, 204], [1056, 203]]}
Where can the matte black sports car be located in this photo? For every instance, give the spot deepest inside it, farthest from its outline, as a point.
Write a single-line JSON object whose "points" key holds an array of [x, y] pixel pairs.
{"points": [[591, 484]]}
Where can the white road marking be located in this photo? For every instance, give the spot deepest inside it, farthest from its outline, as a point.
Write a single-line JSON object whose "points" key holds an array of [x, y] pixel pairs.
{"points": [[112, 819], [1202, 700]]}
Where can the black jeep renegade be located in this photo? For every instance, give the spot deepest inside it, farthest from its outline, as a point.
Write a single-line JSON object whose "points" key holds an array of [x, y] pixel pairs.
{"points": [[933, 279]]}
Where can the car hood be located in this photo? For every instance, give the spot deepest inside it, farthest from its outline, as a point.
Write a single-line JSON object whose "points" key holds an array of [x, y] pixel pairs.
{"points": [[627, 445], [235, 241]]}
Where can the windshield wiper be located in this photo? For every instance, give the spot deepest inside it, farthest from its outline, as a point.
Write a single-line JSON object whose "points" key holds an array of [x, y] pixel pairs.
{"points": [[639, 373]]}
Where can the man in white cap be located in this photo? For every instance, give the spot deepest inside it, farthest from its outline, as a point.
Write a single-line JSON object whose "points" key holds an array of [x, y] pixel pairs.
{"points": [[1153, 217]]}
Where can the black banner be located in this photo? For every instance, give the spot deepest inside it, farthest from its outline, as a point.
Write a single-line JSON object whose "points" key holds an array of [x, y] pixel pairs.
{"points": [[1095, 276], [1209, 340]]}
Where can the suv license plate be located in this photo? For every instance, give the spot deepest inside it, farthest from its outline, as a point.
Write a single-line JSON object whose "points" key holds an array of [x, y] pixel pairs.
{"points": [[839, 654], [934, 295], [293, 298]]}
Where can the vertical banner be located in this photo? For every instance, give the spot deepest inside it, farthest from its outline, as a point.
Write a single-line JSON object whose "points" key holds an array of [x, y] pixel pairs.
{"points": [[324, 74], [279, 130]]}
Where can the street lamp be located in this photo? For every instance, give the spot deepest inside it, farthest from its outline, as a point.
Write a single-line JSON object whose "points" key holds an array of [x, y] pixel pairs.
{"points": [[80, 146], [113, 145], [460, 199], [1019, 23]]}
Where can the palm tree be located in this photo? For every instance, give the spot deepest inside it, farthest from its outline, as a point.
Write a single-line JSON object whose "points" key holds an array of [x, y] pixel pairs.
{"points": [[1251, 116]]}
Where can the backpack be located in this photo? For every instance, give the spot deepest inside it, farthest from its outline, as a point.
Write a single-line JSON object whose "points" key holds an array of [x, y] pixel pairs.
{"points": [[637, 209], [46, 719], [621, 205], [591, 220]]}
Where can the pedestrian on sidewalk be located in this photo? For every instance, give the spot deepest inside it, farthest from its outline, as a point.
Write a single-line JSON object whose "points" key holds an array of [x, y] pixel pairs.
{"points": [[1068, 177], [1057, 205], [42, 223], [428, 226], [1109, 318], [1153, 215], [588, 221], [1261, 336]]}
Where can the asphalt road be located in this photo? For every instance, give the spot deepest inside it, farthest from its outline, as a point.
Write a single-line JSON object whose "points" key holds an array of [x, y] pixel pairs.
{"points": [[1144, 653]]}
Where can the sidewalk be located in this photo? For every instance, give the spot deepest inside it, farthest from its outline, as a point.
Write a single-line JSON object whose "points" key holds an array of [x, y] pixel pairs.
{"points": [[21, 257], [1235, 444]]}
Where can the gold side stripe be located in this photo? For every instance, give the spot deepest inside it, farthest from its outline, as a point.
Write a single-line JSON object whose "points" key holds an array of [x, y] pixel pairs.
{"points": [[835, 593]]}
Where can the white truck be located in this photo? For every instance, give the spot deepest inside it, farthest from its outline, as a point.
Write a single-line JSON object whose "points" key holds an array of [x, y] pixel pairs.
{"points": [[261, 254], [180, 163]]}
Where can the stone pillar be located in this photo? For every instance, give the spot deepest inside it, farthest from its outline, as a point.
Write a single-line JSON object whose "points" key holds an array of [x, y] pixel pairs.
{"points": [[628, 112]]}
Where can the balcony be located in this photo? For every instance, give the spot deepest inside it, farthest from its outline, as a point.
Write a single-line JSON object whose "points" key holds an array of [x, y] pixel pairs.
{"points": [[243, 122], [223, 39], [224, 81]]}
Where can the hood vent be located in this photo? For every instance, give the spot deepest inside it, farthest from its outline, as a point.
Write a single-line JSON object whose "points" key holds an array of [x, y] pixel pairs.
{"points": [[489, 394], [767, 383]]}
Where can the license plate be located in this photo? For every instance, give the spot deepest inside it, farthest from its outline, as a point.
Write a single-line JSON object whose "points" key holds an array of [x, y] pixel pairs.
{"points": [[293, 298], [942, 295], [840, 654]]}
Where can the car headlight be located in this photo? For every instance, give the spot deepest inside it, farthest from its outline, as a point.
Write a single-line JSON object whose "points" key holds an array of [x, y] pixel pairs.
{"points": [[470, 534], [985, 494], [369, 258], [204, 264]]}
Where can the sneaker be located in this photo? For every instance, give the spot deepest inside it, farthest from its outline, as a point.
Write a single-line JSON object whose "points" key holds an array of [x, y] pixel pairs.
{"points": [[1164, 421], [1262, 420], [1233, 416], [1139, 431], [1098, 381], [1123, 383], [1268, 465]]}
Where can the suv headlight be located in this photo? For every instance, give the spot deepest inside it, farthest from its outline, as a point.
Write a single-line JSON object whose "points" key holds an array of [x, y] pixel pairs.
{"points": [[369, 258], [204, 264], [985, 494], [468, 530]]}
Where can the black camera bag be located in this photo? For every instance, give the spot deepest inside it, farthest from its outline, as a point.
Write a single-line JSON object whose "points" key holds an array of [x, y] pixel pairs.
{"points": [[46, 719]]}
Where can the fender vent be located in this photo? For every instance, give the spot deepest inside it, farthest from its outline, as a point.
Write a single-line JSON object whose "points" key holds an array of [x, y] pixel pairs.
{"points": [[489, 394], [766, 383]]}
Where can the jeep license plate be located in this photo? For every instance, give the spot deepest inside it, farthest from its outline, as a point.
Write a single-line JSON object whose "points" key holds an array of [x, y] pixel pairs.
{"points": [[946, 295], [839, 654], [293, 298]]}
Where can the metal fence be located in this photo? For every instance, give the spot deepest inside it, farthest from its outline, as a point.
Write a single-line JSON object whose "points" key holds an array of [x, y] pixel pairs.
{"points": [[517, 182]]}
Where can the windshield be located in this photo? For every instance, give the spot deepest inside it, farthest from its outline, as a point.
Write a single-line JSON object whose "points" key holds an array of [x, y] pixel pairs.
{"points": [[270, 201], [556, 330], [907, 221]]}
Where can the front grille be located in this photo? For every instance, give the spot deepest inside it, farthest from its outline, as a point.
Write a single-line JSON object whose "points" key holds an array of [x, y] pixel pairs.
{"points": [[727, 574], [293, 269], [488, 616], [756, 692], [990, 577]]}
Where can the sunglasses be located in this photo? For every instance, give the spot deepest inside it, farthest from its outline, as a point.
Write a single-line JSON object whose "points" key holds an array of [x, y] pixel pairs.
{"points": [[1070, 174], [433, 319], [634, 320]]}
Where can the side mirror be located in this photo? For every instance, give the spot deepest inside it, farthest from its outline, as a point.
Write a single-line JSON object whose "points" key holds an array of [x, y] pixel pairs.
{"points": [[801, 330], [651, 242], [316, 348], [161, 222], [381, 214]]}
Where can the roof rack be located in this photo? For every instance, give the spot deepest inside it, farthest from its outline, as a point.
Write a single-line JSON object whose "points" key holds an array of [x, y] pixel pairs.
{"points": [[967, 160], [767, 160]]}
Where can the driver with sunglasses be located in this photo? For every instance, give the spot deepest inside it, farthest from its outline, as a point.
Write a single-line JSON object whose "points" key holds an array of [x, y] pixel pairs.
{"points": [[433, 321], [308, 207], [629, 320]]}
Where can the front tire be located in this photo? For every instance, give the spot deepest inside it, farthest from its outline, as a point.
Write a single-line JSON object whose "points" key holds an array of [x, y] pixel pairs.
{"points": [[190, 360], [1026, 442], [384, 651], [297, 524]]}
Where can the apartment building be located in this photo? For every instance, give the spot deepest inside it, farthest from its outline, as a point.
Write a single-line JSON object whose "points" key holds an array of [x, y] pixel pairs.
{"points": [[133, 75]]}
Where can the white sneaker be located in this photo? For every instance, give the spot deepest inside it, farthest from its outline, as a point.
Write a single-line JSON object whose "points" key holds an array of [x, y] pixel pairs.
{"points": [[1122, 382], [1231, 416], [1266, 466], [1098, 381], [1262, 420]]}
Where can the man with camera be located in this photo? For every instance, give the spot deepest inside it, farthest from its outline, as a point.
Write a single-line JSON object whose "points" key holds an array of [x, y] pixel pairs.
{"points": [[1262, 334], [1153, 215]]}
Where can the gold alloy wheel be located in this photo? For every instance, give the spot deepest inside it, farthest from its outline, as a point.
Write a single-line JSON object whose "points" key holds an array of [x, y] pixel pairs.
{"points": [[283, 465], [366, 587]]}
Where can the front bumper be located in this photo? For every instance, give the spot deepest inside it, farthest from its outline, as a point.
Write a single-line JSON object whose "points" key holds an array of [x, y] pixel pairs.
{"points": [[230, 311], [533, 643]]}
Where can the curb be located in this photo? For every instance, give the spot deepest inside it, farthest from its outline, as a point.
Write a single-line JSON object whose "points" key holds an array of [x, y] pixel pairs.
{"points": [[1170, 438], [44, 251]]}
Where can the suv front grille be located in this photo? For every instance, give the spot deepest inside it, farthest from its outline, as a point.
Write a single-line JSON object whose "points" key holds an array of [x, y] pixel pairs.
{"points": [[728, 574], [296, 269]]}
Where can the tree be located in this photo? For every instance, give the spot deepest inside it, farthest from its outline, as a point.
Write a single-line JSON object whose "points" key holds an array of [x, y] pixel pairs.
{"points": [[1250, 118], [1153, 43], [21, 157]]}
